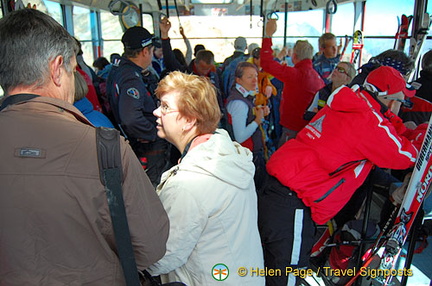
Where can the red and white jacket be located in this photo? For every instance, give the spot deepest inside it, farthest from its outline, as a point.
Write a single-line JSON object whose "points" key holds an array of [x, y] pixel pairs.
{"points": [[332, 156]]}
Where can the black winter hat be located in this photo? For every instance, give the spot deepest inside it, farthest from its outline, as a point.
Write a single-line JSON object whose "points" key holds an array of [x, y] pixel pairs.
{"points": [[138, 37]]}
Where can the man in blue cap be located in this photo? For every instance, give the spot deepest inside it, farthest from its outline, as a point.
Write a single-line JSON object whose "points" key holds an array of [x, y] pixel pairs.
{"points": [[132, 101]]}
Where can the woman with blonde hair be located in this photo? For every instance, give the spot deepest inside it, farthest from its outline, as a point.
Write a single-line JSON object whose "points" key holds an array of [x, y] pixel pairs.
{"points": [[210, 195]]}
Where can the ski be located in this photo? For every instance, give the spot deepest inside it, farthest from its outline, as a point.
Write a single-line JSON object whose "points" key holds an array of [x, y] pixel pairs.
{"points": [[357, 46], [419, 37], [386, 251], [402, 33]]}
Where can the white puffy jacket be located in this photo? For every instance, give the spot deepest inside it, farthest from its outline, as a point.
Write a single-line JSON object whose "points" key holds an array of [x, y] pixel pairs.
{"points": [[211, 202]]}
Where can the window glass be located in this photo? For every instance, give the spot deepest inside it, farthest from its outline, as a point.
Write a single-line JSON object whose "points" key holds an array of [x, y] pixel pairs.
{"points": [[302, 25], [381, 21], [215, 33], [211, 1], [148, 22], [111, 34], [54, 10], [343, 20], [82, 30]]}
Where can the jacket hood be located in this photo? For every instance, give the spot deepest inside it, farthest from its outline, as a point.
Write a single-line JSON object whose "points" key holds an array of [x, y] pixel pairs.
{"points": [[84, 105], [345, 99], [222, 158]]}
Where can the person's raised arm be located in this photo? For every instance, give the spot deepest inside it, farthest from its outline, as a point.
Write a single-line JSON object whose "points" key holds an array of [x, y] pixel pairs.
{"points": [[188, 56], [170, 61], [164, 26], [270, 28]]}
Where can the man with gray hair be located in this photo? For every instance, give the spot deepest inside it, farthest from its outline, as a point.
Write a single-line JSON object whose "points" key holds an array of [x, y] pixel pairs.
{"points": [[54, 218], [240, 46], [301, 82]]}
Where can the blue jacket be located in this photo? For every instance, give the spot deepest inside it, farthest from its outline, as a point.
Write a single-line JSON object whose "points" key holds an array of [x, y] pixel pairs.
{"points": [[325, 66], [95, 117]]}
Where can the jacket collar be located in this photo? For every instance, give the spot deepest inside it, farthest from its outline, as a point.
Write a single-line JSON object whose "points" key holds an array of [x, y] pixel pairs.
{"points": [[304, 63], [57, 104]]}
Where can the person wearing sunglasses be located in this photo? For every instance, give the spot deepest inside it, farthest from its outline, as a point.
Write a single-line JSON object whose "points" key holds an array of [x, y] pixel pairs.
{"points": [[210, 194], [341, 75]]}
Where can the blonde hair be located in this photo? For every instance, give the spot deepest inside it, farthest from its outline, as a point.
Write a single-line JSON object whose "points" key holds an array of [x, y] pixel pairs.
{"points": [[81, 88], [197, 99], [303, 49], [324, 37]]}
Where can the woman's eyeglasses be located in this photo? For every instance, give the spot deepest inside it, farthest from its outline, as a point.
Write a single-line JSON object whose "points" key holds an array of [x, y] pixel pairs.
{"points": [[165, 109]]}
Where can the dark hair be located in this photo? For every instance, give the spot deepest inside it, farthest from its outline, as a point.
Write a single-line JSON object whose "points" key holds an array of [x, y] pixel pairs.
{"points": [[114, 56], [256, 53], [241, 66], [205, 56], [180, 57], [395, 59], [133, 53], [80, 51], [198, 48], [100, 63], [427, 61]]}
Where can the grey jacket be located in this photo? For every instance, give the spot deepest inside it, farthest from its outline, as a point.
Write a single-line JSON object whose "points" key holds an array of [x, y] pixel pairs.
{"points": [[55, 226]]}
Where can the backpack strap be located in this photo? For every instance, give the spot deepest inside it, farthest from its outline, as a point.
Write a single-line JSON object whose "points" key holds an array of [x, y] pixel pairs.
{"points": [[110, 169], [17, 98]]}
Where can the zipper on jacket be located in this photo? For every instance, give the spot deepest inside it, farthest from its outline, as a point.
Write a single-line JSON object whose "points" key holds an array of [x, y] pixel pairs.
{"points": [[344, 166], [341, 181]]}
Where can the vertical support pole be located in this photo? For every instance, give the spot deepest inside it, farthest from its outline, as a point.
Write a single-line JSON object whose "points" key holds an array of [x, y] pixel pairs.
{"points": [[359, 16], [286, 24], [96, 34], [67, 12]]}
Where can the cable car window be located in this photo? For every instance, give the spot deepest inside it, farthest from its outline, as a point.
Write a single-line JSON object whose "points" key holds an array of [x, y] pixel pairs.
{"points": [[54, 10], [343, 20], [111, 34], [211, 1], [302, 25], [387, 13], [83, 32], [147, 20]]}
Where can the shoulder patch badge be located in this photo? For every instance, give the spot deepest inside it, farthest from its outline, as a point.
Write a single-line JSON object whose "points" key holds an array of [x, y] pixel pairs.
{"points": [[317, 124], [133, 92], [315, 128]]}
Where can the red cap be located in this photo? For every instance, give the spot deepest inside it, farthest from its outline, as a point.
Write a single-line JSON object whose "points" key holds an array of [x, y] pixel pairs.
{"points": [[389, 81]]}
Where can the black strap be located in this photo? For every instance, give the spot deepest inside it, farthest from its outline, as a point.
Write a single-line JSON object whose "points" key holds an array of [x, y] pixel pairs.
{"points": [[110, 168], [186, 149], [16, 98]]}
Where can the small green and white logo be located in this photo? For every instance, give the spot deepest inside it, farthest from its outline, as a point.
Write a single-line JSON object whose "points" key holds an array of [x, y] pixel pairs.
{"points": [[220, 272]]}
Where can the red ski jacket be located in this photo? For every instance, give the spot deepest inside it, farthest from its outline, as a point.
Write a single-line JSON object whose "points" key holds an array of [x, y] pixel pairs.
{"points": [[332, 156], [301, 83]]}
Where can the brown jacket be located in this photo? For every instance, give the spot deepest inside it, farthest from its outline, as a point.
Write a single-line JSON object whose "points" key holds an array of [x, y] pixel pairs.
{"points": [[55, 226]]}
